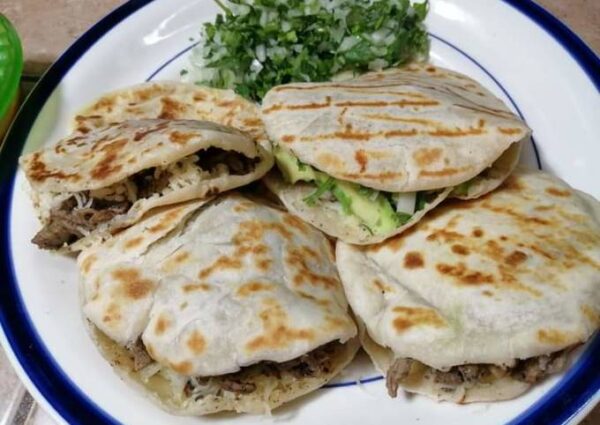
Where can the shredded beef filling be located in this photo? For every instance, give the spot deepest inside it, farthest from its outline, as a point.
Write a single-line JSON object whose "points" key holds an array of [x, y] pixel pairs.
{"points": [[67, 221], [237, 164], [139, 355], [150, 181], [314, 363], [529, 370]]}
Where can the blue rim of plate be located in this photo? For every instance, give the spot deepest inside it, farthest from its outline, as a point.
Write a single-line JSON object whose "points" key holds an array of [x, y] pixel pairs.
{"points": [[562, 403]]}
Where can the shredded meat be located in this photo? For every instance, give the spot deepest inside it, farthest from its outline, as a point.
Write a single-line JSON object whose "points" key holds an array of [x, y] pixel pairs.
{"points": [[397, 372], [236, 386], [313, 363], [139, 355], [237, 164], [534, 369], [528, 370], [66, 221], [150, 181]]}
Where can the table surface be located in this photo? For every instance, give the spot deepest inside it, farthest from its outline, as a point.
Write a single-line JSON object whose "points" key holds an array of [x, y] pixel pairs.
{"points": [[47, 31]]}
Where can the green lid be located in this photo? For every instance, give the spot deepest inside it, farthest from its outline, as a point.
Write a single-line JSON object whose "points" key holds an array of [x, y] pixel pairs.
{"points": [[11, 64]]}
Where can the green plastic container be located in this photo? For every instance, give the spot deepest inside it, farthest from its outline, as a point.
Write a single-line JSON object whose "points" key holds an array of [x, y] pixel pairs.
{"points": [[11, 67]]}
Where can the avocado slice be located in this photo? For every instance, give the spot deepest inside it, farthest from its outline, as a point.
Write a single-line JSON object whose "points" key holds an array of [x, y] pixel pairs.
{"points": [[292, 169], [371, 207], [375, 211]]}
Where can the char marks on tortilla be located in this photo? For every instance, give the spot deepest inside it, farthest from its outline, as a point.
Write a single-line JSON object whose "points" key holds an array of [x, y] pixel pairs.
{"points": [[412, 129]]}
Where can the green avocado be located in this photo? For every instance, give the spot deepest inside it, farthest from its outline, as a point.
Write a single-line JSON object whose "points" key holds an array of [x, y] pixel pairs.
{"points": [[371, 207], [374, 210], [291, 168]]}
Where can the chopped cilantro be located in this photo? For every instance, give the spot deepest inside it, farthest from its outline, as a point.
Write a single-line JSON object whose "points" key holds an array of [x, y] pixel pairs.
{"points": [[322, 188], [257, 44]]}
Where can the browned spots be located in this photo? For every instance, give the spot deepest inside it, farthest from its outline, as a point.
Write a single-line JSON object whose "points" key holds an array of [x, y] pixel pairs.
{"points": [[104, 103], [591, 314], [112, 314], [413, 260], [463, 275], [303, 106], [133, 242], [552, 336], [196, 342], [349, 104], [382, 287], [297, 259], [426, 156], [181, 138], [510, 131], [515, 258], [487, 293], [199, 97], [362, 88], [252, 122], [132, 286], [444, 235], [430, 69], [295, 222], [166, 221], [321, 302], [252, 288], [386, 175], [288, 138], [277, 332], [335, 323], [524, 219], [477, 232], [193, 287], [362, 159], [171, 109], [379, 104], [459, 132], [176, 260], [38, 172], [554, 191], [221, 263], [161, 325], [400, 133], [108, 164], [450, 171], [242, 207], [328, 160], [184, 368], [87, 263], [408, 317], [142, 134], [460, 249], [393, 118]]}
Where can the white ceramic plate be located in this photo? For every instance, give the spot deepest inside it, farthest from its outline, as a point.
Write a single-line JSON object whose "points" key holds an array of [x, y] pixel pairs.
{"points": [[516, 49]]}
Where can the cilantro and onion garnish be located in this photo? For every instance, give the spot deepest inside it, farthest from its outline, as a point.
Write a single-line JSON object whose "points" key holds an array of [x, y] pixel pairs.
{"points": [[257, 44]]}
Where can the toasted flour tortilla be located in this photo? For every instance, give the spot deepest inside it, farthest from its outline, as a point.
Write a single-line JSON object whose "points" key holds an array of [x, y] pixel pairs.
{"points": [[138, 165], [415, 128], [406, 129], [172, 100], [509, 279], [222, 292]]}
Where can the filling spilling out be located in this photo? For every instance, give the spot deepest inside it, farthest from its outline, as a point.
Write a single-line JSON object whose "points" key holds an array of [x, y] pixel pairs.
{"points": [[316, 363], [379, 212], [82, 212], [530, 371]]}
